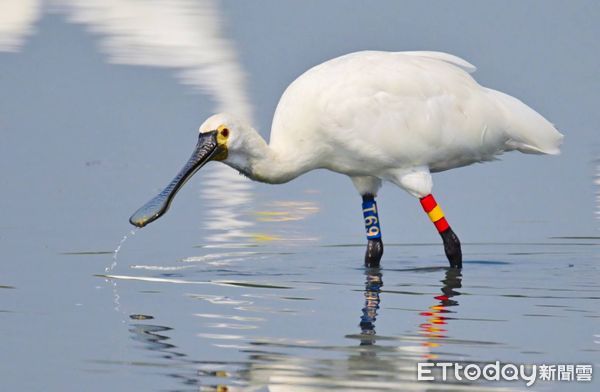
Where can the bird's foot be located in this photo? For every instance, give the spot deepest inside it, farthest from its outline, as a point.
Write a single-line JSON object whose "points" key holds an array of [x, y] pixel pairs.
{"points": [[452, 248], [374, 253]]}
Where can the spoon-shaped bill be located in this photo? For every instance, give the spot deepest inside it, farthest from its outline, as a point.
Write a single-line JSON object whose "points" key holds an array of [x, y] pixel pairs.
{"points": [[155, 208]]}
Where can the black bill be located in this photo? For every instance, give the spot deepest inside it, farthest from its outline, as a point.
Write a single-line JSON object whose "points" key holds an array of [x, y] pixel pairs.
{"points": [[206, 148]]}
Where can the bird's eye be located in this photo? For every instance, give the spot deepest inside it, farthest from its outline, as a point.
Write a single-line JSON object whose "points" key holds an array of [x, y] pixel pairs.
{"points": [[225, 132]]}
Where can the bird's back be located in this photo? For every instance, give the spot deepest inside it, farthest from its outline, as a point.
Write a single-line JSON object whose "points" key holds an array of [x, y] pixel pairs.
{"points": [[375, 110]]}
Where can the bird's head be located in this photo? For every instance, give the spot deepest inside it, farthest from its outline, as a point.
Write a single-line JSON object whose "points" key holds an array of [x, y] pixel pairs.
{"points": [[221, 138], [234, 138]]}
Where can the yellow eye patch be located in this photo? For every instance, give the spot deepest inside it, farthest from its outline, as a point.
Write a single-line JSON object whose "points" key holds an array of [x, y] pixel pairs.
{"points": [[222, 134]]}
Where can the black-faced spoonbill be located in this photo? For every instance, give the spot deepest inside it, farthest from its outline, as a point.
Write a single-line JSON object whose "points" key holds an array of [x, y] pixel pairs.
{"points": [[374, 116]]}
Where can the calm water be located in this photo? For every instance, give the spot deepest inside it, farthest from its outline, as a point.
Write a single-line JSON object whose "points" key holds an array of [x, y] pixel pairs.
{"points": [[244, 286], [308, 318]]}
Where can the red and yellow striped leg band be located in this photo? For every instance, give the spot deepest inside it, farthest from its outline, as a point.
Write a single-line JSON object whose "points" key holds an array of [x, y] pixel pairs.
{"points": [[435, 213]]}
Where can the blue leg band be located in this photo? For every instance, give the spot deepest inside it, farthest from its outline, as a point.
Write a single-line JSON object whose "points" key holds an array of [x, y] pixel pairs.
{"points": [[371, 219]]}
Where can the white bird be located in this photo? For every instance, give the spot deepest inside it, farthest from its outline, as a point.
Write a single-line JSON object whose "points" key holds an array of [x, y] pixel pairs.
{"points": [[374, 116]]}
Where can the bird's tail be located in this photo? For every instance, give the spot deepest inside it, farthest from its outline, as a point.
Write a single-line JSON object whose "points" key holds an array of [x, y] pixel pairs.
{"points": [[527, 130]]}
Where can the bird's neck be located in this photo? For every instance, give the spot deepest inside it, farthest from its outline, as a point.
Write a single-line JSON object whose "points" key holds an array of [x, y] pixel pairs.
{"points": [[263, 163]]}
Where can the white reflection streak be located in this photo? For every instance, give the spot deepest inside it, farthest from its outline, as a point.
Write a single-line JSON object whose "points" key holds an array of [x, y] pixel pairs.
{"points": [[184, 35], [17, 19], [225, 191], [597, 182]]}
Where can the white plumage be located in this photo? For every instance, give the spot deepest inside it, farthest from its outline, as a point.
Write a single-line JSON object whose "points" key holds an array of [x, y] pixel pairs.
{"points": [[386, 116], [374, 116]]}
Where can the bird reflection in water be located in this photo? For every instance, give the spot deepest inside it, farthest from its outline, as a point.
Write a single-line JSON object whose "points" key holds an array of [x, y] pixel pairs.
{"points": [[184, 369], [433, 329], [373, 284], [382, 365], [394, 363], [437, 316], [150, 336]]}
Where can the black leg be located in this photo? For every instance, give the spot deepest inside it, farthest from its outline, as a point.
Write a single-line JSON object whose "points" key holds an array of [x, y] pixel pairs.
{"points": [[373, 229], [374, 253], [451, 241], [452, 248]]}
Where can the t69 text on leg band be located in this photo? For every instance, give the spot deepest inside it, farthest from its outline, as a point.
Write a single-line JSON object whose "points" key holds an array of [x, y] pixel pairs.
{"points": [[371, 219]]}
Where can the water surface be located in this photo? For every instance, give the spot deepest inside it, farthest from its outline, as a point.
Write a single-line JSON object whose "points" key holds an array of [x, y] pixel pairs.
{"points": [[244, 286]]}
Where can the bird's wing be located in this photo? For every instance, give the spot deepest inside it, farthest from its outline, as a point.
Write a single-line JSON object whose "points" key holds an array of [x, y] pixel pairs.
{"points": [[383, 109], [448, 58], [404, 109]]}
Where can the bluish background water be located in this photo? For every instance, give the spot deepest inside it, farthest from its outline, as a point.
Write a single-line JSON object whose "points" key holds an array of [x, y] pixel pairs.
{"points": [[96, 116]]}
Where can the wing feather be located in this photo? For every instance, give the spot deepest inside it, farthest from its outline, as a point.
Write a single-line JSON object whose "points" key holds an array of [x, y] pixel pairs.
{"points": [[446, 57]]}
